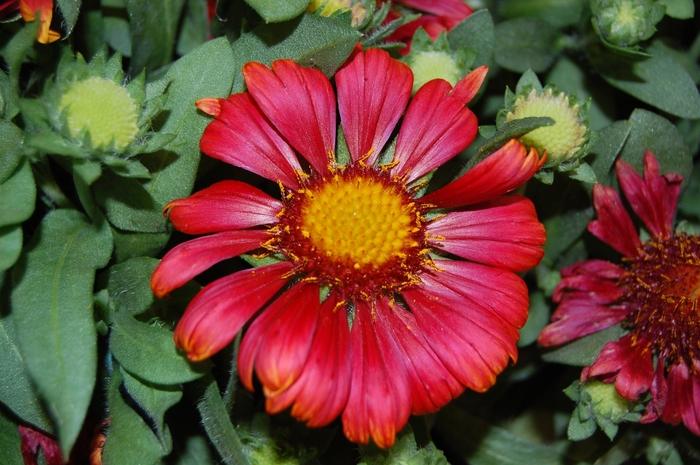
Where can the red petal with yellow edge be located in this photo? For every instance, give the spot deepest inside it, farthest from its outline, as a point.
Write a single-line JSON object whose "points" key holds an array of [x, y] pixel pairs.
{"points": [[503, 171], [630, 367], [504, 233], [436, 127], [653, 198], [221, 308], [223, 206], [431, 384], [373, 90], [242, 137], [300, 103], [380, 399], [320, 393], [278, 342], [613, 224], [190, 258], [29, 9]]}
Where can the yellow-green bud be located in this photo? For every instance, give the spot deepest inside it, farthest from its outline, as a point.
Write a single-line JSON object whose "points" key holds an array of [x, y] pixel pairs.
{"points": [[102, 109], [432, 64], [605, 400], [563, 140]]}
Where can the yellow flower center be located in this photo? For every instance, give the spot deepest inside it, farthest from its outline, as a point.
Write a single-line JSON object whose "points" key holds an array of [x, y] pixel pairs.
{"points": [[102, 109], [357, 230], [360, 220]]}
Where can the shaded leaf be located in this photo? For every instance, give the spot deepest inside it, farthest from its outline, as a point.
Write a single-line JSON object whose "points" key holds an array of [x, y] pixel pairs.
{"points": [[18, 195], [583, 351], [129, 284], [274, 11], [153, 27]]}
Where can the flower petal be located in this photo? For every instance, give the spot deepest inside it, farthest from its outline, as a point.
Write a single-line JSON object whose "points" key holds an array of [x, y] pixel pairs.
{"points": [[221, 308], [504, 233], [223, 206], [379, 403], [455, 10], [190, 258], [300, 103], [242, 137], [613, 225], [320, 393], [437, 126], [503, 171], [29, 9], [278, 342], [431, 384], [33, 440], [631, 367], [373, 90], [653, 198]]}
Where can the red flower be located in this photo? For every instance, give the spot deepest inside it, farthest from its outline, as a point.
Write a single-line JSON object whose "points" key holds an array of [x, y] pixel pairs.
{"points": [[421, 302], [29, 9], [653, 294], [33, 441], [437, 16]]}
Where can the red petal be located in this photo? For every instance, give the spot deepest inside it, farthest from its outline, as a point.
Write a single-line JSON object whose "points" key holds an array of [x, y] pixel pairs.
{"points": [[379, 403], [320, 393], [373, 90], [242, 137], [503, 171], [437, 126], [468, 87], [32, 441], [630, 366], [220, 309], [300, 103], [504, 233], [455, 10], [653, 198], [278, 342], [223, 206], [431, 384], [613, 225], [190, 258]]}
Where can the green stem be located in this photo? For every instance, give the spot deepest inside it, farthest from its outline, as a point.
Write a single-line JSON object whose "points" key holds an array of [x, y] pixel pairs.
{"points": [[232, 383], [695, 48]]}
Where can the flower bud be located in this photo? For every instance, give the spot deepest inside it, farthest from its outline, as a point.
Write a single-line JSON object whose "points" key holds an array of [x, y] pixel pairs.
{"points": [[626, 22]]}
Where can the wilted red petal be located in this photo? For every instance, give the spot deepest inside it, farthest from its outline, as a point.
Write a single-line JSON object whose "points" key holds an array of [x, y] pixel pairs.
{"points": [[380, 400], [190, 258], [613, 225], [223, 206], [300, 103], [653, 198], [242, 137], [504, 233], [34, 443], [503, 171], [373, 90], [436, 127], [221, 308], [320, 393]]}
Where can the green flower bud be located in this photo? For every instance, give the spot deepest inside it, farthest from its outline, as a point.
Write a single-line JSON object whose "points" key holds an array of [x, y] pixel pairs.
{"points": [[429, 65], [605, 400], [626, 22]]}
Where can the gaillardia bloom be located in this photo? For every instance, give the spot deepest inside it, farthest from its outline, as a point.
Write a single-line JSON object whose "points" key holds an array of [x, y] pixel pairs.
{"points": [[382, 303], [653, 295], [30, 10]]}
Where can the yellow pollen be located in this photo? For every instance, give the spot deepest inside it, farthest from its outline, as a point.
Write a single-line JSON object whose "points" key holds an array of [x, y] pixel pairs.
{"points": [[359, 220]]}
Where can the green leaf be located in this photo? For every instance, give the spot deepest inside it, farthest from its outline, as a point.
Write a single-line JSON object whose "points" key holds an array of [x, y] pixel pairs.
{"points": [[605, 149], [311, 40], [690, 200], [10, 443], [132, 206], [480, 443], [525, 43], [15, 51], [52, 312], [155, 400], [117, 34], [129, 439], [583, 351], [578, 428], [513, 129], [11, 149], [528, 80], [563, 230], [679, 9], [584, 173], [274, 11], [16, 391], [10, 246], [197, 452], [404, 452], [69, 10], [18, 196], [475, 34], [129, 285], [649, 131], [538, 317], [128, 245], [658, 80], [218, 426], [558, 13], [148, 351], [195, 27], [153, 28]]}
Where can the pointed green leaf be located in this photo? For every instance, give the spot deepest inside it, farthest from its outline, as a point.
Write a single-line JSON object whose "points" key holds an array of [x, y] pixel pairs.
{"points": [[153, 27], [476, 33], [18, 196], [69, 10], [10, 443], [10, 246], [10, 149], [129, 285], [274, 11]]}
